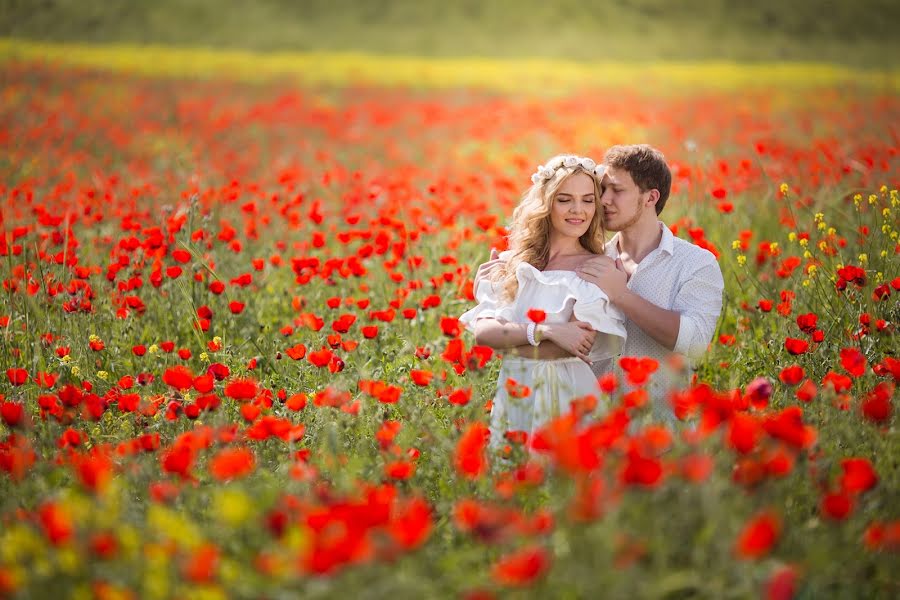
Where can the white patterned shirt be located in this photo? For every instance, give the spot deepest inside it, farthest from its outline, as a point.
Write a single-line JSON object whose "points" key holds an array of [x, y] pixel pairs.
{"points": [[677, 276]]}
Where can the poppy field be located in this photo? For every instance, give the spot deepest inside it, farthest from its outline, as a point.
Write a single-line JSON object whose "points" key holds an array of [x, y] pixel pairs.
{"points": [[230, 365]]}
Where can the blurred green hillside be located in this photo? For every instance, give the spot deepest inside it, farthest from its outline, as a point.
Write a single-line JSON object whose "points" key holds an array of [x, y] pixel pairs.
{"points": [[860, 33]]}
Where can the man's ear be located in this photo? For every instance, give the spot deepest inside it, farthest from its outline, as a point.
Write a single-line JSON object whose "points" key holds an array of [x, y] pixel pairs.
{"points": [[653, 197]]}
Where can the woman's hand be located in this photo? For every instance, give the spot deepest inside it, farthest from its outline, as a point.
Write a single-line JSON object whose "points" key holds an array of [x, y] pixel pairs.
{"points": [[575, 337]]}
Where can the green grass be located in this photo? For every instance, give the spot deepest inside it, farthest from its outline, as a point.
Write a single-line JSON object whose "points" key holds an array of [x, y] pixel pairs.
{"points": [[860, 33]]}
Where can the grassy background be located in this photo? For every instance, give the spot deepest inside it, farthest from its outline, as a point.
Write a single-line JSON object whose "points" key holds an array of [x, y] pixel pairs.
{"points": [[860, 33]]}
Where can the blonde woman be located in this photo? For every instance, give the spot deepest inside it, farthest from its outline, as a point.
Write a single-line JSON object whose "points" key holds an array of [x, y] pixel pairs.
{"points": [[555, 229]]}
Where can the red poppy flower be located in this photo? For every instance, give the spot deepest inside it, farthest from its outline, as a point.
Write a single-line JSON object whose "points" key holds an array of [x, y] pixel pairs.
{"points": [[469, 458], [836, 506], [232, 463], [179, 377], [411, 523], [876, 406], [460, 397], [536, 315], [521, 568], [807, 322], [320, 358], [807, 391], [13, 413], [782, 584], [792, 375], [853, 361], [638, 370], [795, 346], [608, 383], [420, 377], [858, 476], [641, 470], [17, 376], [400, 469], [758, 536], [56, 523], [297, 351], [839, 383], [242, 389], [744, 433], [450, 326]]}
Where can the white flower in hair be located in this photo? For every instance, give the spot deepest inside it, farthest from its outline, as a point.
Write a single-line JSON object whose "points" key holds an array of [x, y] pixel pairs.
{"points": [[588, 164], [570, 161], [547, 172], [600, 171], [536, 178]]}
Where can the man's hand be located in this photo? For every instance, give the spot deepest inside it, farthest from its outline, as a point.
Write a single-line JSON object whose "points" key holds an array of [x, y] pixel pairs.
{"points": [[486, 270], [606, 274]]}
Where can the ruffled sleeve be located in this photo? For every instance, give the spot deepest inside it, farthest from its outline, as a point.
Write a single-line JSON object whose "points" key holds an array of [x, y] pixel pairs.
{"points": [[489, 306], [592, 305]]}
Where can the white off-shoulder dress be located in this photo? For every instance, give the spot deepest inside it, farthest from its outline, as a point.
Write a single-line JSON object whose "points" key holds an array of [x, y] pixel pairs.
{"points": [[552, 383]]}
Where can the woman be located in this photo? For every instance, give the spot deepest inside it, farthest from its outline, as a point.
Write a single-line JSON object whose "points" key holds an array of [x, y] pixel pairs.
{"points": [[555, 228]]}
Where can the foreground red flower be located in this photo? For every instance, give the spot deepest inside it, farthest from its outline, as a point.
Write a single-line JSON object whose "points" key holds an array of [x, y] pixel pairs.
{"points": [[758, 536], [470, 458], [521, 568], [232, 463]]}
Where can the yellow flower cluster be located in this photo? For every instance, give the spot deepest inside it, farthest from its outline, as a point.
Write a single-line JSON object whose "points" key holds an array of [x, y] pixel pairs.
{"points": [[518, 75]]}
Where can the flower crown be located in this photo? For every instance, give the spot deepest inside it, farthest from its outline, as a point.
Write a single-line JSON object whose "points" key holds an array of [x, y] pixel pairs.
{"points": [[545, 172]]}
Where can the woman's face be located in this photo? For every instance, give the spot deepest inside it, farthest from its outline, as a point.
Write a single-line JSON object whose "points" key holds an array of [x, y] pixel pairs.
{"points": [[574, 206]]}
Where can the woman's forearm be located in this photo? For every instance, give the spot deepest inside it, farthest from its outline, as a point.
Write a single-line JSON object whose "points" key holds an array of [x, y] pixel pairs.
{"points": [[545, 351], [500, 335]]}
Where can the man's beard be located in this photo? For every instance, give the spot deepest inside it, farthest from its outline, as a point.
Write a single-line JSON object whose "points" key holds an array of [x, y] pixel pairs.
{"points": [[634, 219]]}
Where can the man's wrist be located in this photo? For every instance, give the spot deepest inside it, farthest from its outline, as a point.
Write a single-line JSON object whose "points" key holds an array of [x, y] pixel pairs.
{"points": [[620, 297]]}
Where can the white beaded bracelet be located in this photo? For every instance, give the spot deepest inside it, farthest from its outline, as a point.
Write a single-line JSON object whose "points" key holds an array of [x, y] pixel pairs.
{"points": [[529, 333]]}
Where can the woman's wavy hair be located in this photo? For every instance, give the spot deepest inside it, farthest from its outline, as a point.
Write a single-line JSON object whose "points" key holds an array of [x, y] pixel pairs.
{"points": [[529, 232]]}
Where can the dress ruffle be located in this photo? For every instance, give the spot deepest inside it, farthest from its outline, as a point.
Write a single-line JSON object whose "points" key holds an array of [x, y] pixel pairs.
{"points": [[556, 293]]}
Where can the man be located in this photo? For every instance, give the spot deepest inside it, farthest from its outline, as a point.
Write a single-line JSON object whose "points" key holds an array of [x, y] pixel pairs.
{"points": [[669, 290]]}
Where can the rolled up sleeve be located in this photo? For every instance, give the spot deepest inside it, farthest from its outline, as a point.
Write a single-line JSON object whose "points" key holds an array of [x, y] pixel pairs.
{"points": [[699, 301]]}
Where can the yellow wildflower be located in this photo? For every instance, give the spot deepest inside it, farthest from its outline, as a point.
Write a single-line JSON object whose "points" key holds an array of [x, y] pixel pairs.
{"points": [[233, 506]]}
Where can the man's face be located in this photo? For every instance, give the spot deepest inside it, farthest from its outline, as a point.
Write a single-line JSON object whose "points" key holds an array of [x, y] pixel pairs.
{"points": [[623, 202]]}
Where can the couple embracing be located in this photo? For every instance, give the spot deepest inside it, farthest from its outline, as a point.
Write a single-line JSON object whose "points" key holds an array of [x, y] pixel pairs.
{"points": [[642, 293]]}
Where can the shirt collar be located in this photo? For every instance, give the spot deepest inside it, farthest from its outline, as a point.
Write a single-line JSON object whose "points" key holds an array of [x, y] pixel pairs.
{"points": [[666, 243]]}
